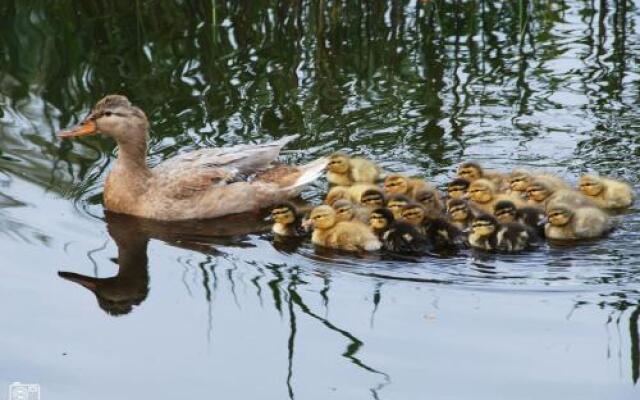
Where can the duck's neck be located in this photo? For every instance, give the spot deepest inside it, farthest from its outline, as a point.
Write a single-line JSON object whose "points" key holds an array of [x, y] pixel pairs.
{"points": [[132, 156], [129, 179]]}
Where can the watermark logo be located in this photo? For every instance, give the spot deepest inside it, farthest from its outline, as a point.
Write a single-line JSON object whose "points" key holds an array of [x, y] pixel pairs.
{"points": [[24, 391]]}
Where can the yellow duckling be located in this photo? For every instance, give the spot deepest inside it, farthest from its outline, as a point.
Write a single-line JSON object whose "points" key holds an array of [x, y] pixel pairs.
{"points": [[520, 179], [345, 171], [287, 221], [607, 193], [396, 203], [347, 211], [488, 234], [460, 214], [541, 189], [347, 235], [337, 193], [472, 171], [483, 196], [400, 184], [566, 222]]}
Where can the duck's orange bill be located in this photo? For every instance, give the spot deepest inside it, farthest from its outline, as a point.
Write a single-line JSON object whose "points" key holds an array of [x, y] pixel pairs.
{"points": [[84, 129]]}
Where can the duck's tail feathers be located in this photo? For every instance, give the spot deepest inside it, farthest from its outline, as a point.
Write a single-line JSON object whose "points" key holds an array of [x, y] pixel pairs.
{"points": [[309, 173]]}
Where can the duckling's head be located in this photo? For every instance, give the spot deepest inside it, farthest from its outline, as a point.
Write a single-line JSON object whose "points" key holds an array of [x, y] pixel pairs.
{"points": [[344, 210], [591, 185], [116, 117], [322, 217], [427, 197], [337, 193], [484, 225], [380, 219], [538, 191], [559, 215], [481, 191], [458, 209], [284, 213], [338, 163], [519, 180], [505, 211], [372, 198], [457, 188], [396, 184], [396, 203], [414, 214], [470, 171]]}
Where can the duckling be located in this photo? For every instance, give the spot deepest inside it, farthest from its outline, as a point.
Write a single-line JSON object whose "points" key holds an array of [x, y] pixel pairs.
{"points": [[287, 221], [566, 222], [460, 213], [337, 193], [396, 236], [347, 211], [430, 200], [457, 188], [400, 184], [396, 202], [345, 171], [346, 235], [506, 212], [568, 197], [472, 171], [607, 193], [483, 196], [540, 190], [372, 198], [438, 231], [358, 189], [520, 179], [488, 234]]}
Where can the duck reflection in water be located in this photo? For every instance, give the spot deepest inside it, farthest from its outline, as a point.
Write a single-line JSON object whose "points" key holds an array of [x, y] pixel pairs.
{"points": [[119, 294]]}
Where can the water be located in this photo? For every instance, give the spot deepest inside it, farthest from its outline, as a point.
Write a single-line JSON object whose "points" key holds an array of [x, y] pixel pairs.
{"points": [[218, 309]]}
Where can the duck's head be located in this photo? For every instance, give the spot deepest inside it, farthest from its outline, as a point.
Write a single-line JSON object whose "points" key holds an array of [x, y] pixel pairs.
{"points": [[591, 185], [322, 217], [519, 180], [414, 214], [470, 171], [484, 225], [559, 215], [396, 203], [116, 117], [284, 213], [538, 191], [396, 184], [458, 209], [372, 198], [338, 163], [381, 218], [457, 188], [505, 211], [344, 210], [481, 191]]}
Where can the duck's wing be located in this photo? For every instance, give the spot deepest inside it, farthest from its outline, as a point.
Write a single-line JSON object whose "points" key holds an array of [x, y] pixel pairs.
{"points": [[187, 174]]}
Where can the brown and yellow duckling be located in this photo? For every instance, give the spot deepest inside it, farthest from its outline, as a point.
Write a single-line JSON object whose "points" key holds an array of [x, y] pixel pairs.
{"points": [[542, 188], [346, 235], [345, 171], [472, 171], [347, 211], [437, 231], [457, 188], [396, 236], [460, 214], [566, 222], [372, 198], [520, 179], [490, 235], [430, 200], [607, 193], [400, 184], [506, 212], [287, 221], [396, 203], [483, 196]]}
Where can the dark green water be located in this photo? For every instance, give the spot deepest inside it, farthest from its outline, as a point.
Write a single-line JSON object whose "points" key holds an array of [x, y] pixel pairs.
{"points": [[211, 310]]}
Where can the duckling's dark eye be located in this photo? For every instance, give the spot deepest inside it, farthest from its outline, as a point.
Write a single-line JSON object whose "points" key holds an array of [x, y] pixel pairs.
{"points": [[108, 113]]}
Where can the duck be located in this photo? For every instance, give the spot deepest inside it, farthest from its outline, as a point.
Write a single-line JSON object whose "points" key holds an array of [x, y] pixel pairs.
{"points": [[541, 188], [567, 222], [287, 221], [430, 200], [460, 214], [607, 193], [400, 184], [396, 203], [347, 211], [437, 231], [346, 235], [483, 195], [396, 236], [345, 171], [337, 193], [506, 212], [472, 171], [457, 188], [372, 198], [206, 183], [490, 235]]}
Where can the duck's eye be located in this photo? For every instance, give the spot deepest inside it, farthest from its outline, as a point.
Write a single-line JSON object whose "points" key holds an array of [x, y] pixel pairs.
{"points": [[108, 113]]}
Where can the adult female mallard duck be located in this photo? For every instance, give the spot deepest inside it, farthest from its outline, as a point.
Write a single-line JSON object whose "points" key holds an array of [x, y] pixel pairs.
{"points": [[205, 183]]}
